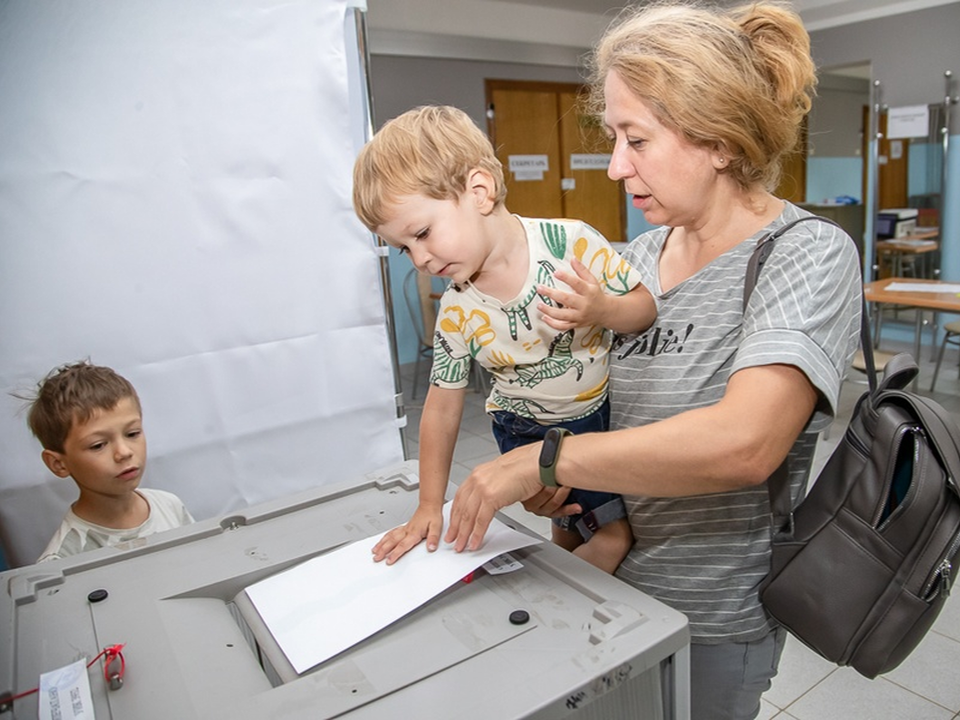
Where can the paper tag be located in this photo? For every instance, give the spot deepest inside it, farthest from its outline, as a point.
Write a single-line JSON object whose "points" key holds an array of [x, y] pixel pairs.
{"points": [[65, 693], [502, 564]]}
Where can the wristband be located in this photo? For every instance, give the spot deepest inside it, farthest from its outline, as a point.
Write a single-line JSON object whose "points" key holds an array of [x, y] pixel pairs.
{"points": [[550, 454]]}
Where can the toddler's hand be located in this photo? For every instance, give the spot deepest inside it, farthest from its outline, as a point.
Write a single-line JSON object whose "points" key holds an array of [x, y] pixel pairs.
{"points": [[581, 306], [425, 524]]}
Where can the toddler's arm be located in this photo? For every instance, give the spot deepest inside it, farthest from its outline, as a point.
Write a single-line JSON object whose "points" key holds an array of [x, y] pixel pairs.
{"points": [[439, 426], [587, 304]]}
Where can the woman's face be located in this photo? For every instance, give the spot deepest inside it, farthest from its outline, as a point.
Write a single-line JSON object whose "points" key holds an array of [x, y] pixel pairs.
{"points": [[672, 181]]}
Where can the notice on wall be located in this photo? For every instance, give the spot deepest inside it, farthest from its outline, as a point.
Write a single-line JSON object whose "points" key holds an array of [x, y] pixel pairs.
{"points": [[529, 167], [584, 161], [909, 121]]}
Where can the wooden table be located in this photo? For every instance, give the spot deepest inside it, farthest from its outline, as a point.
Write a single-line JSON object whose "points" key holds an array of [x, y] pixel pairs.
{"points": [[945, 300], [919, 244]]}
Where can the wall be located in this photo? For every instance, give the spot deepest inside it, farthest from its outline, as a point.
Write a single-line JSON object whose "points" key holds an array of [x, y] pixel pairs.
{"points": [[909, 54], [835, 157]]}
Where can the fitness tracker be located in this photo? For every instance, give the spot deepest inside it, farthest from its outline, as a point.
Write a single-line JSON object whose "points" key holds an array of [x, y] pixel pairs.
{"points": [[550, 454]]}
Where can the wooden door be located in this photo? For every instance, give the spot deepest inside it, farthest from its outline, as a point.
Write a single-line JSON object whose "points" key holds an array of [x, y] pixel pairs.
{"points": [[587, 192], [892, 175], [552, 155], [793, 178], [892, 169]]}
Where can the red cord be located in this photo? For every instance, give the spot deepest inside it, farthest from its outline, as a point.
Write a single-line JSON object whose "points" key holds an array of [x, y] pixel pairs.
{"points": [[112, 652]]}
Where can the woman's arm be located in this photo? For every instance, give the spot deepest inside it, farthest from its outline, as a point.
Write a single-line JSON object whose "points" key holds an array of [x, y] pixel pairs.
{"points": [[737, 442]]}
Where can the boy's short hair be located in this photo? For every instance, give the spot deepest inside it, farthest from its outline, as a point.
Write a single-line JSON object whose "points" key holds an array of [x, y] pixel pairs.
{"points": [[429, 151], [72, 393]]}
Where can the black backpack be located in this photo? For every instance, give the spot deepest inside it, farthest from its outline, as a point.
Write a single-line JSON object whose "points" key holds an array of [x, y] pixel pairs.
{"points": [[862, 566]]}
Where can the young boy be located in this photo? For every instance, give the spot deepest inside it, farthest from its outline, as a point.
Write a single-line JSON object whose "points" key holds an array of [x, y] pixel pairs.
{"points": [[430, 185], [88, 420]]}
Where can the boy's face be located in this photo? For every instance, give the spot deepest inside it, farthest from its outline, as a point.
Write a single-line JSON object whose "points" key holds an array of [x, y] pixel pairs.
{"points": [[442, 237], [105, 455]]}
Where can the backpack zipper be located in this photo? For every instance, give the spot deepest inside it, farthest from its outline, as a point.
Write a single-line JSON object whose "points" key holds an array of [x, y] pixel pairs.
{"points": [[942, 573], [917, 435]]}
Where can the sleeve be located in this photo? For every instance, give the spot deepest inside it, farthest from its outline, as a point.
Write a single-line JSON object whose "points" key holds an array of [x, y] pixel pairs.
{"points": [[805, 311], [455, 329], [613, 272], [58, 547]]}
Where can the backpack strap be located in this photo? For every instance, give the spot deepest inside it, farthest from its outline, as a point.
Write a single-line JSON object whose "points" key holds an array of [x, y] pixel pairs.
{"points": [[778, 484], [763, 249]]}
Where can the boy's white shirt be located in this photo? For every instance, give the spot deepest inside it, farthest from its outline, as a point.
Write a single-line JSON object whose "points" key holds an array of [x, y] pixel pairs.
{"points": [[538, 372], [75, 535]]}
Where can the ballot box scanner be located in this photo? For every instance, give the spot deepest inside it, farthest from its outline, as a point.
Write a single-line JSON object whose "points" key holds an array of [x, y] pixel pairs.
{"points": [[554, 638]]}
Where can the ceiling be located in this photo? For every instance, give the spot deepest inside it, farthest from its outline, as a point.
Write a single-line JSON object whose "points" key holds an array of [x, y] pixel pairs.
{"points": [[816, 14], [557, 32]]}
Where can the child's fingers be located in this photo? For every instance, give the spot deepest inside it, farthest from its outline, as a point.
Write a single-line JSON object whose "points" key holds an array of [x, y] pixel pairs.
{"points": [[551, 502], [583, 273], [387, 543], [409, 541]]}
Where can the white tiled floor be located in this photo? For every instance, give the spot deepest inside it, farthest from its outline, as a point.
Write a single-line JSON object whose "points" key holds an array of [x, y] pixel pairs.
{"points": [[925, 687]]}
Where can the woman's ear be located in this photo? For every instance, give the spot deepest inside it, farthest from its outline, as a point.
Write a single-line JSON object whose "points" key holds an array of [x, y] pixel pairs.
{"points": [[482, 189], [54, 461], [721, 156]]}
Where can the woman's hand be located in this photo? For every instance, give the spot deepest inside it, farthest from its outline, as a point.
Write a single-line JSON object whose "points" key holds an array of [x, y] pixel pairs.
{"points": [[425, 523], [510, 478]]}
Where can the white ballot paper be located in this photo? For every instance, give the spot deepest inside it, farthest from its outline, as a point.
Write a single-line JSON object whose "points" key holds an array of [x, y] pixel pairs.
{"points": [[326, 605]]}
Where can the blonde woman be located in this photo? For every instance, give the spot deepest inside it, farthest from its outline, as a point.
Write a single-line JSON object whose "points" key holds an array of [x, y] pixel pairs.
{"points": [[702, 103]]}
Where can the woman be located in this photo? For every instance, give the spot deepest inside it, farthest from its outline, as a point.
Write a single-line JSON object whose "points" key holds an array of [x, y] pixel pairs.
{"points": [[701, 105]]}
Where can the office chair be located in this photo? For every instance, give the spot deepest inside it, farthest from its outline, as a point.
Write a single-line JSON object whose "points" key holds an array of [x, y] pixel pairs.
{"points": [[952, 336]]}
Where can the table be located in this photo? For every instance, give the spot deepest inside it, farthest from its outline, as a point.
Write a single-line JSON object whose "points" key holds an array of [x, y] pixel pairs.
{"points": [[919, 244], [942, 297]]}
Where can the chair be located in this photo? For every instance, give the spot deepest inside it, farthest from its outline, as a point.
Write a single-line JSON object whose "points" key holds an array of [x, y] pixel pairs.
{"points": [[423, 315], [952, 336]]}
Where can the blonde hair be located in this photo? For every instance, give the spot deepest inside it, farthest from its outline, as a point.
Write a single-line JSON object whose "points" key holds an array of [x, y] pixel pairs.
{"points": [[429, 151], [739, 80]]}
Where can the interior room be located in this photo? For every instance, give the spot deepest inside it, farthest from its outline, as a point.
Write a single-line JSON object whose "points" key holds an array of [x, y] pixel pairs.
{"points": [[860, 55], [176, 204]]}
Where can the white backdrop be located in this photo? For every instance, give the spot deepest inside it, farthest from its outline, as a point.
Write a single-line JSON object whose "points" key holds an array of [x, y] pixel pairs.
{"points": [[175, 183]]}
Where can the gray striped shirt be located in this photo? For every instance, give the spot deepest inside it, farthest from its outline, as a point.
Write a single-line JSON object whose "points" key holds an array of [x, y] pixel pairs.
{"points": [[706, 555]]}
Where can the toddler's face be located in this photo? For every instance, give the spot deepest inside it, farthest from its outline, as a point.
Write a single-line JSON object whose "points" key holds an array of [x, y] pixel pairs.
{"points": [[442, 237], [106, 455]]}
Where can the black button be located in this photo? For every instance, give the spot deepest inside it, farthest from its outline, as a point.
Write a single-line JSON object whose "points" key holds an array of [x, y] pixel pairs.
{"points": [[519, 617], [97, 596]]}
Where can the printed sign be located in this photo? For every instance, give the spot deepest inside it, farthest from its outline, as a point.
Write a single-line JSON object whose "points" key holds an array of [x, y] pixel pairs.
{"points": [[909, 121], [529, 167], [582, 161]]}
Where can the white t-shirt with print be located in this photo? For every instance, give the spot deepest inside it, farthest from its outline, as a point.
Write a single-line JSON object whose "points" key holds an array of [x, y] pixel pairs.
{"points": [[76, 535], [538, 372]]}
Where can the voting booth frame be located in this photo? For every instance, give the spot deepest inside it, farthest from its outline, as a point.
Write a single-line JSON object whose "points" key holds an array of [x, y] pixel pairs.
{"points": [[585, 645]]}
